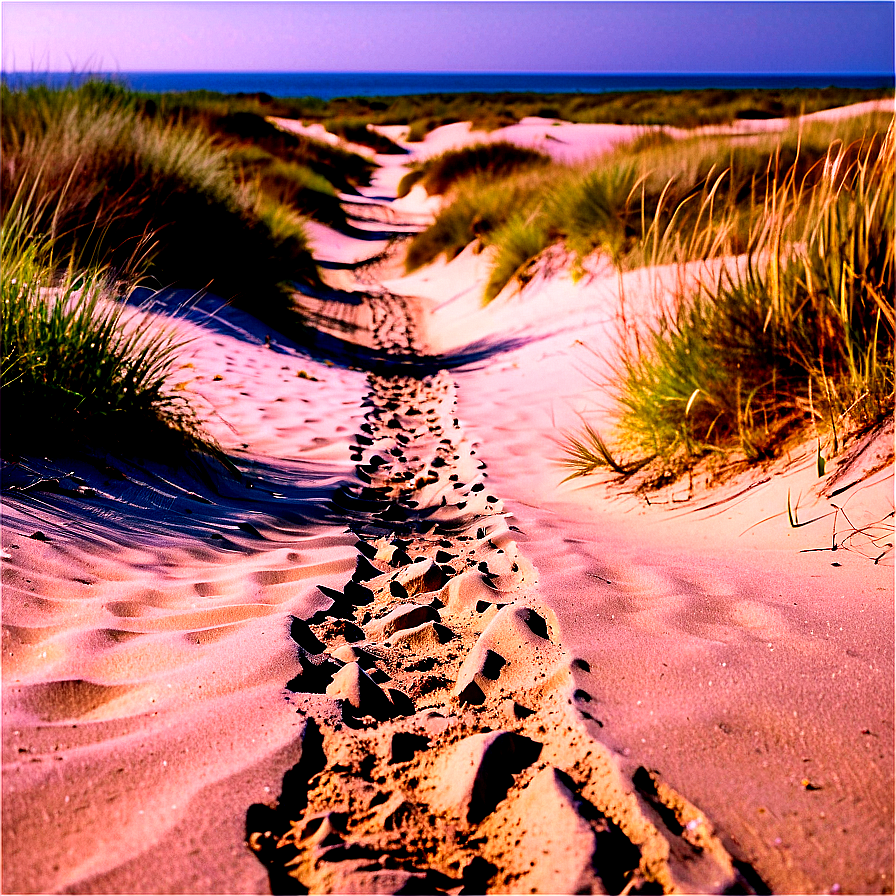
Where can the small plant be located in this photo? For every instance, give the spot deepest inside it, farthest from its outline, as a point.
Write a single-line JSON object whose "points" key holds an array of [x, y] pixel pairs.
{"points": [[596, 210], [356, 130], [587, 452], [498, 159], [480, 208], [74, 370], [519, 242], [801, 335]]}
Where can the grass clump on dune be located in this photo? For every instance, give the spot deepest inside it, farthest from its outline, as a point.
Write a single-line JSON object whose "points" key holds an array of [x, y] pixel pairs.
{"points": [[801, 336], [74, 370], [649, 203], [519, 241], [140, 195], [488, 111], [291, 184], [240, 123], [499, 159], [477, 211], [356, 130]]}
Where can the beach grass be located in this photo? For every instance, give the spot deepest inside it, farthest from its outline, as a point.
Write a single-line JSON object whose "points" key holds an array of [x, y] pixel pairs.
{"points": [[798, 336], [79, 368], [488, 111], [107, 182], [497, 159], [356, 130], [476, 212], [649, 202]]}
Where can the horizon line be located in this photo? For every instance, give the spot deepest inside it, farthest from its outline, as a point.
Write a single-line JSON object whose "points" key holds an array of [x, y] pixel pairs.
{"points": [[346, 71]]}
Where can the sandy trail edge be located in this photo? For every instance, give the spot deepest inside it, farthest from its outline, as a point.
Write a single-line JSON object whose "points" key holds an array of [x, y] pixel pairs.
{"points": [[443, 727], [783, 657]]}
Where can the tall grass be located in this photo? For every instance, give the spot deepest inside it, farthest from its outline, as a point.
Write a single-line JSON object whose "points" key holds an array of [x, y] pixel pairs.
{"points": [[498, 159], [477, 211], [487, 111], [73, 371], [356, 130], [241, 124], [653, 202], [287, 183], [519, 241], [137, 194], [800, 335]]}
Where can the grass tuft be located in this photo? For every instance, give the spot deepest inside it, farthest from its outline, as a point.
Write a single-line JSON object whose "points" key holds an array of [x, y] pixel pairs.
{"points": [[498, 159], [73, 370], [356, 130], [146, 195], [800, 336], [519, 242]]}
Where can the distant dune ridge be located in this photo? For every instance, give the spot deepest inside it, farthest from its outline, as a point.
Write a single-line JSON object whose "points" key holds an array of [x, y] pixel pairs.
{"points": [[396, 654]]}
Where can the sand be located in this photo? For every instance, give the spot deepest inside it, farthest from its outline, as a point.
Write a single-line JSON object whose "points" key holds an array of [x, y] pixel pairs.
{"points": [[400, 655]]}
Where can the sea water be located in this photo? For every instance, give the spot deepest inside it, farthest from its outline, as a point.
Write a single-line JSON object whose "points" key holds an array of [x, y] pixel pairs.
{"points": [[327, 85]]}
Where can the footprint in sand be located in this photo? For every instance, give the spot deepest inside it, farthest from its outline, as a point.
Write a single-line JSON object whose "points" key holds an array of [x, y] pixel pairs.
{"points": [[445, 751]]}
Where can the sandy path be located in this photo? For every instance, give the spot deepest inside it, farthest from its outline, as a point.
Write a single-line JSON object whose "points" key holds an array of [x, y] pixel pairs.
{"points": [[444, 745]]}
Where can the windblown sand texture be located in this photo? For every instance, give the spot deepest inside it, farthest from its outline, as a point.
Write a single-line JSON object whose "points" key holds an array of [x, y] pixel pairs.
{"points": [[396, 656]]}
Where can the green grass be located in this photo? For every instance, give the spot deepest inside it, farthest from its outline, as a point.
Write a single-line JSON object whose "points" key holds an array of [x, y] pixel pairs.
{"points": [[148, 195], [519, 241], [100, 188], [653, 202], [487, 111], [290, 184], [355, 130], [477, 212], [441, 173], [73, 371], [802, 337]]}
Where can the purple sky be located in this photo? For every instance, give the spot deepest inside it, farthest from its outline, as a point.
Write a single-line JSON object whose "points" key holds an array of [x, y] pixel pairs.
{"points": [[456, 36]]}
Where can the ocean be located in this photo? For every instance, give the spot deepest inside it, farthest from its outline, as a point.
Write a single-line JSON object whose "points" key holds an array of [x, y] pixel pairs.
{"points": [[328, 85]]}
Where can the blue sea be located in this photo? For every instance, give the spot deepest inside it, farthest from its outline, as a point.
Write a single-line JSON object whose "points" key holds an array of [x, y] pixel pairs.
{"points": [[328, 85]]}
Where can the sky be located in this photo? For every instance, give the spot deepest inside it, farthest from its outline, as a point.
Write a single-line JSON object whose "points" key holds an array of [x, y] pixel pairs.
{"points": [[294, 35]]}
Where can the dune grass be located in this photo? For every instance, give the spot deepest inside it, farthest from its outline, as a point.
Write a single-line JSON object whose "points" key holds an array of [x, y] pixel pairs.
{"points": [[147, 195], [107, 179], [802, 335], [498, 159], [74, 370], [488, 111], [98, 192], [647, 203], [519, 241], [356, 130], [292, 184], [476, 213], [241, 124]]}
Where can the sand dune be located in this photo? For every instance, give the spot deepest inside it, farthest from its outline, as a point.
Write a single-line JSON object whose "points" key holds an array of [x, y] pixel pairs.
{"points": [[398, 655]]}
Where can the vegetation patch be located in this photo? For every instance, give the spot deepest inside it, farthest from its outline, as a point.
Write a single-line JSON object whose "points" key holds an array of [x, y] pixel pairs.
{"points": [[74, 370], [137, 195], [499, 159], [800, 335], [652, 202], [356, 130], [489, 111]]}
